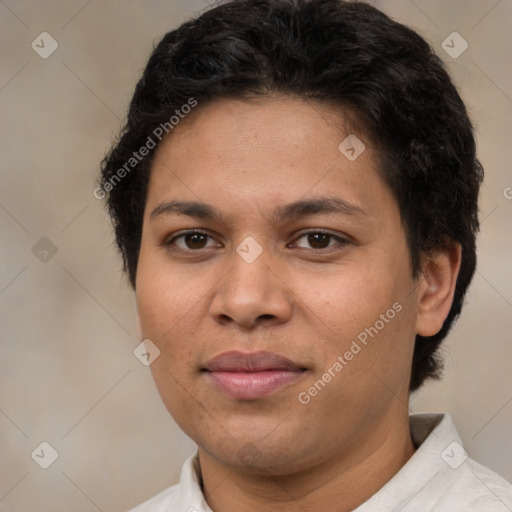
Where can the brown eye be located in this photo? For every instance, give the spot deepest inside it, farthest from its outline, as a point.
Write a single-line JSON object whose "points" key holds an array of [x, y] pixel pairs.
{"points": [[195, 240], [191, 240], [320, 240]]}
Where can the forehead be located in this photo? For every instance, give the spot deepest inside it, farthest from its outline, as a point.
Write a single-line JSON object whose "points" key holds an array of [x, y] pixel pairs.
{"points": [[269, 151], [290, 123]]}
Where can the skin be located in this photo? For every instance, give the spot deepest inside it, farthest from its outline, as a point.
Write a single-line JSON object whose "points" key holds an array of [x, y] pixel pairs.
{"points": [[307, 301]]}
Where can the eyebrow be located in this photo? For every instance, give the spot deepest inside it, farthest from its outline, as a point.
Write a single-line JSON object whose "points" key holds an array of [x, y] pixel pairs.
{"points": [[295, 210]]}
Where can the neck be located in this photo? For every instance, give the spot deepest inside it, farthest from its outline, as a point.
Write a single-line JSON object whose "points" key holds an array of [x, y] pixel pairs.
{"points": [[347, 479]]}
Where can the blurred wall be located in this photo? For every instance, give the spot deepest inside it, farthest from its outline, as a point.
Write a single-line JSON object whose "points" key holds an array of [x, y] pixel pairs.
{"points": [[68, 375]]}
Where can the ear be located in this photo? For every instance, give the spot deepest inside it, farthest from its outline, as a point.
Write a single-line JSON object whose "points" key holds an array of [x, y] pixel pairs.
{"points": [[436, 288], [138, 328]]}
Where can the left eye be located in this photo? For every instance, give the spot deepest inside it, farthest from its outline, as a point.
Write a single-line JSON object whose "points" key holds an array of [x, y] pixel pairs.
{"points": [[320, 239]]}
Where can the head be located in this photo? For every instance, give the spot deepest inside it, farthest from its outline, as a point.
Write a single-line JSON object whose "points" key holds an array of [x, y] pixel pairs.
{"points": [[253, 109]]}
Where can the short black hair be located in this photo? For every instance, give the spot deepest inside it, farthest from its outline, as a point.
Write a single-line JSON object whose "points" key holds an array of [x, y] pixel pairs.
{"points": [[348, 54]]}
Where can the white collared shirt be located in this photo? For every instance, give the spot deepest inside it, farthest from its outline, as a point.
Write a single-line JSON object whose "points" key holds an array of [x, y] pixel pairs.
{"points": [[439, 477]]}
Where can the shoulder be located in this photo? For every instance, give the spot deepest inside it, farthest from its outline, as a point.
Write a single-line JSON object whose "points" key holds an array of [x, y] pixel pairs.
{"points": [[186, 496], [485, 489], [460, 482], [440, 477], [162, 502], [471, 488]]}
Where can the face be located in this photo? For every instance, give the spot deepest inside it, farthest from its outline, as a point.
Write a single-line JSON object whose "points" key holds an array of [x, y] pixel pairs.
{"points": [[282, 301]]}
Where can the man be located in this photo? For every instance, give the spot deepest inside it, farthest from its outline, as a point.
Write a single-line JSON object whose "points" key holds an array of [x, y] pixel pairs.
{"points": [[299, 248]]}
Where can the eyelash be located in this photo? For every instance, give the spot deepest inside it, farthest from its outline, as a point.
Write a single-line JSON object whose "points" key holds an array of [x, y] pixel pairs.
{"points": [[341, 241]]}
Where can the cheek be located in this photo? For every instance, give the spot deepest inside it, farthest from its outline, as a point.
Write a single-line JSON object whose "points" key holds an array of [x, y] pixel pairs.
{"points": [[165, 306], [366, 313], [348, 300], [172, 305], [165, 296]]}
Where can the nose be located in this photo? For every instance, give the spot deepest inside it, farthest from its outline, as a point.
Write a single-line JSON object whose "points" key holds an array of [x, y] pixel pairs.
{"points": [[251, 294]]}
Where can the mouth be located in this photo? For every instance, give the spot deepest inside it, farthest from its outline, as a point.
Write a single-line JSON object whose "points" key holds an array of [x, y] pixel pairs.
{"points": [[249, 376]]}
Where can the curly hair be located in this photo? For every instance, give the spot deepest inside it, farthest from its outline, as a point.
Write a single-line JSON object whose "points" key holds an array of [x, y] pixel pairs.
{"points": [[348, 54]]}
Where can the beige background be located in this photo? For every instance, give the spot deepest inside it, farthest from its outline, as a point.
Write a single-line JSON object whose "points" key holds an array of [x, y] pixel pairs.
{"points": [[67, 372]]}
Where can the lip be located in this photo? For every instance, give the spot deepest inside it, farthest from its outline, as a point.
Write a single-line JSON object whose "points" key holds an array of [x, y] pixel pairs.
{"points": [[249, 376]]}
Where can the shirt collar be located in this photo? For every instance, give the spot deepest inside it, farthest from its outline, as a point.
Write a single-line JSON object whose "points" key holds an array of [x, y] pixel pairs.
{"points": [[432, 434]]}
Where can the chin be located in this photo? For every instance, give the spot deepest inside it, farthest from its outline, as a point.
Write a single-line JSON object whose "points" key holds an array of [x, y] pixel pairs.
{"points": [[258, 455]]}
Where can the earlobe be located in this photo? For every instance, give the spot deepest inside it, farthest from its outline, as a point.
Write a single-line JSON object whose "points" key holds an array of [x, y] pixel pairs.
{"points": [[436, 289]]}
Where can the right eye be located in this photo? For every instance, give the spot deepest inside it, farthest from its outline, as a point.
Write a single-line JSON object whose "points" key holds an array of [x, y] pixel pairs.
{"points": [[190, 241]]}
